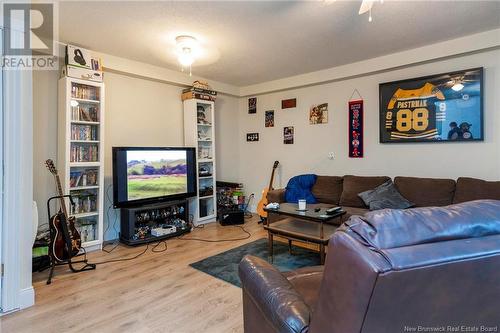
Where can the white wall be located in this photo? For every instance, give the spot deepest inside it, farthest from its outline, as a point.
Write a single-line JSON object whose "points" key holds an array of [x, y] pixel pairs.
{"points": [[139, 112], [313, 142]]}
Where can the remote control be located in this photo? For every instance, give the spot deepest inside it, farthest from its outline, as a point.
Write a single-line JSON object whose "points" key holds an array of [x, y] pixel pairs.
{"points": [[317, 209], [333, 210]]}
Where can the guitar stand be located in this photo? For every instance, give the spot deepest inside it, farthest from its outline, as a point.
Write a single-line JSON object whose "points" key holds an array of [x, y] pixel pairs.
{"points": [[55, 262]]}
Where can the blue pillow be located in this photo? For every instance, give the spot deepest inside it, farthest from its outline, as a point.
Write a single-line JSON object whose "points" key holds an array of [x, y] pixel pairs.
{"points": [[299, 187]]}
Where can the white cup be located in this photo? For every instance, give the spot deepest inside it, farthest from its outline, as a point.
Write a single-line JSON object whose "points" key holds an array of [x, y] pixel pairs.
{"points": [[302, 204]]}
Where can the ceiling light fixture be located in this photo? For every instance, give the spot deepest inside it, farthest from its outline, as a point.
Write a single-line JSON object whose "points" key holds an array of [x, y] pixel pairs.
{"points": [[186, 51]]}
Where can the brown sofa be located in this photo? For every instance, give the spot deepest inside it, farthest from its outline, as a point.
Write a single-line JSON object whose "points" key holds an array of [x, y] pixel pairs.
{"points": [[423, 192], [389, 271]]}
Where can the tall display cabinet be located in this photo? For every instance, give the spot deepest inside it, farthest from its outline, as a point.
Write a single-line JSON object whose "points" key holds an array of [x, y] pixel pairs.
{"points": [[80, 159], [199, 132]]}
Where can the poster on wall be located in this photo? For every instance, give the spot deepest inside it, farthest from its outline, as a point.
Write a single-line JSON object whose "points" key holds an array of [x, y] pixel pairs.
{"points": [[356, 129], [438, 108], [318, 114], [288, 134], [252, 137], [269, 118], [252, 105], [289, 103]]}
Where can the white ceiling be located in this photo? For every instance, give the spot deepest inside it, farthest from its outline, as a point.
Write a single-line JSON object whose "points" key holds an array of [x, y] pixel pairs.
{"points": [[253, 42]]}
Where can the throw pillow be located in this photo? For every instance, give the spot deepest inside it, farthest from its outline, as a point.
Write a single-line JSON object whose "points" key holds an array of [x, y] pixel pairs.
{"points": [[299, 187], [385, 196]]}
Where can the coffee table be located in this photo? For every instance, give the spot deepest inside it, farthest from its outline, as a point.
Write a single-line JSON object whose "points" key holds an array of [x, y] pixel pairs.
{"points": [[306, 226]]}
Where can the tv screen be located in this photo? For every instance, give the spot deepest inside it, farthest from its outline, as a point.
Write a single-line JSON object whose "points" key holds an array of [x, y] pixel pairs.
{"points": [[143, 175]]}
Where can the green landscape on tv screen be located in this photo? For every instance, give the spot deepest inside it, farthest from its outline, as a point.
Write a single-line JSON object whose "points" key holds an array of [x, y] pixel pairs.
{"points": [[156, 173]]}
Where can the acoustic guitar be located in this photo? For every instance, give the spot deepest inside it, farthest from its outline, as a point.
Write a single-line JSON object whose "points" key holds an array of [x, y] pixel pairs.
{"points": [[263, 201], [61, 221]]}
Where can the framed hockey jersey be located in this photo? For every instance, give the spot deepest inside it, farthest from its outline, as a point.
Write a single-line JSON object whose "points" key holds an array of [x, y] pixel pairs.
{"points": [[437, 108]]}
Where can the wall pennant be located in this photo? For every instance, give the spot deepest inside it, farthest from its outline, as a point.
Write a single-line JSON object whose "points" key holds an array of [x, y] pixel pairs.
{"points": [[356, 128]]}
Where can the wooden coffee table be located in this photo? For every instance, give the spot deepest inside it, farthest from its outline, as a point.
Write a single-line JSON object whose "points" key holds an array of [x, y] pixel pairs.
{"points": [[306, 226]]}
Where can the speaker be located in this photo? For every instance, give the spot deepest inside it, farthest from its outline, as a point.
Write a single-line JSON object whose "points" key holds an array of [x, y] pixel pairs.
{"points": [[231, 217]]}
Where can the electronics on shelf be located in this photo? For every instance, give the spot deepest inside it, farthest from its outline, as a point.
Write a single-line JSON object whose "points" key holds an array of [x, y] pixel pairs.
{"points": [[152, 223]]}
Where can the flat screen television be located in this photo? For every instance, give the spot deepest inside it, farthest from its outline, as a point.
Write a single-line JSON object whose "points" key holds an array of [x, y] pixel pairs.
{"points": [[148, 175]]}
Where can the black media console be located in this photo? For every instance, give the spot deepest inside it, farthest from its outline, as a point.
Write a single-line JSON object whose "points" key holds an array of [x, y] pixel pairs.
{"points": [[154, 222]]}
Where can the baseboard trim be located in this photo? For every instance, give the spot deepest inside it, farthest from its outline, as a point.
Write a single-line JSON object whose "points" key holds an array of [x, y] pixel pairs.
{"points": [[26, 298]]}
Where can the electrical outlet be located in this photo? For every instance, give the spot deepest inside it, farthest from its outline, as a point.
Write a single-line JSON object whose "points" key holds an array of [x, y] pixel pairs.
{"points": [[331, 155]]}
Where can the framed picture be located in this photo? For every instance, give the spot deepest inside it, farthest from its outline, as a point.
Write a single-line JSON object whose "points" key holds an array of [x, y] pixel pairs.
{"points": [[288, 134], [269, 118], [318, 114], [289, 103], [252, 105], [252, 137], [438, 108]]}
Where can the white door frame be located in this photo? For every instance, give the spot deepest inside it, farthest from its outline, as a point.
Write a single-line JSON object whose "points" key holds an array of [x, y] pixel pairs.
{"points": [[17, 221], [1, 168]]}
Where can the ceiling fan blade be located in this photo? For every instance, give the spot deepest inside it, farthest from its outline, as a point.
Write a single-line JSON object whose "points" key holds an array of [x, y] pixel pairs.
{"points": [[366, 5]]}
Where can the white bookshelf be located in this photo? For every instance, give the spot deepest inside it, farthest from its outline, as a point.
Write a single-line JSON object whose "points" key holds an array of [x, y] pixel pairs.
{"points": [[81, 154], [199, 132]]}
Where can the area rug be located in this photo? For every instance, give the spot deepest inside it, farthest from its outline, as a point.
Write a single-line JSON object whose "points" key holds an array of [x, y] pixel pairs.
{"points": [[224, 265]]}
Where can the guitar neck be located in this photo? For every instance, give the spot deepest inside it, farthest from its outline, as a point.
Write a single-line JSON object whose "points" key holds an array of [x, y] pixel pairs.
{"points": [[271, 180], [61, 193]]}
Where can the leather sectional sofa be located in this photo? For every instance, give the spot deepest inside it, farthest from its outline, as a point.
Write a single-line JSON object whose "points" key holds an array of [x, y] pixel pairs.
{"points": [[389, 271], [423, 192]]}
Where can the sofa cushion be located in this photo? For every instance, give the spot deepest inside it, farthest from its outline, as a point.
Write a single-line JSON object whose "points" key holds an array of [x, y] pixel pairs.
{"points": [[469, 189], [328, 189], [353, 185], [425, 192], [385, 196], [391, 228]]}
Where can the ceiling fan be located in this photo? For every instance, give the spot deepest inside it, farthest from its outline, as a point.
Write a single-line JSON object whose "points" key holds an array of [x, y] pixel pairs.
{"points": [[366, 6], [457, 82]]}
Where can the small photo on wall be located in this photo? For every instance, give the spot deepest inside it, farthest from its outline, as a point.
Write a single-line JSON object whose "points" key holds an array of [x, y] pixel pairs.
{"points": [[252, 137], [318, 114], [288, 134], [289, 103], [269, 120], [252, 105]]}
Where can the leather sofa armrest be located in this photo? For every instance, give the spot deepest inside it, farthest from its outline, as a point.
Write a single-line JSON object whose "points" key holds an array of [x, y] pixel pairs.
{"points": [[279, 303], [276, 195]]}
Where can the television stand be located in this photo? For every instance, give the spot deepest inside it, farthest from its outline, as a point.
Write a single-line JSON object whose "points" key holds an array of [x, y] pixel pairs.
{"points": [[152, 223]]}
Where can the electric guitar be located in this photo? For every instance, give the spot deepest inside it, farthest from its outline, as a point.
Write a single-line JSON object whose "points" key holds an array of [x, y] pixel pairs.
{"points": [[61, 221], [263, 201]]}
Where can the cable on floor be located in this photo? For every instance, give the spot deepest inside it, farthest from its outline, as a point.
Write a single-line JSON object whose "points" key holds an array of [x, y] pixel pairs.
{"points": [[248, 235]]}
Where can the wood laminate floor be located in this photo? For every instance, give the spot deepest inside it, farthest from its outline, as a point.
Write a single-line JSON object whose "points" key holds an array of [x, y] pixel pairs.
{"points": [[157, 292]]}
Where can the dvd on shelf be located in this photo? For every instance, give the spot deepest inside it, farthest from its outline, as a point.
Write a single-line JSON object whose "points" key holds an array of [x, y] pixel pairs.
{"points": [[84, 132], [84, 202], [81, 113], [83, 178], [84, 152], [83, 91]]}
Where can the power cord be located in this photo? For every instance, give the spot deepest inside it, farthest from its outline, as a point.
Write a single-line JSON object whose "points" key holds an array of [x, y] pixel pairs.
{"points": [[248, 235], [121, 259]]}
